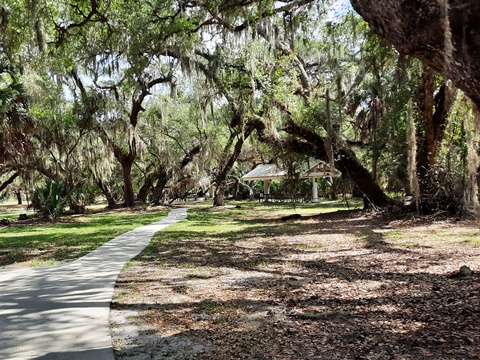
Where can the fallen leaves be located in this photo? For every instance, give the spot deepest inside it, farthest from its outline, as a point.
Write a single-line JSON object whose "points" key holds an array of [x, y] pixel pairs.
{"points": [[325, 288]]}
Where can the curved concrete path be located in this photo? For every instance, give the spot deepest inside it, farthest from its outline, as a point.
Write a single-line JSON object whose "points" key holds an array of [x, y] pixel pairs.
{"points": [[61, 312]]}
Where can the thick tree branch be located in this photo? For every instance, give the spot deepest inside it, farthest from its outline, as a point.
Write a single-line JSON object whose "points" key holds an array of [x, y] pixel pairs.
{"points": [[442, 34], [10, 180], [144, 92]]}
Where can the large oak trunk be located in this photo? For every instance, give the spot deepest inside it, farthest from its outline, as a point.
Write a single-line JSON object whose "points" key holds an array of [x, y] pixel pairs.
{"points": [[162, 179], [442, 34], [352, 169], [226, 165], [111, 199], [18, 194], [219, 197]]}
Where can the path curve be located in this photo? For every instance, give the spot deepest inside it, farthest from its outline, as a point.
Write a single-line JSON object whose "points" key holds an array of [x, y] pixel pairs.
{"points": [[61, 312]]}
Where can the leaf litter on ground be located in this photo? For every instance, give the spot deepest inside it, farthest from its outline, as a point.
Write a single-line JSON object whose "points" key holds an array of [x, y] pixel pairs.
{"points": [[343, 285]]}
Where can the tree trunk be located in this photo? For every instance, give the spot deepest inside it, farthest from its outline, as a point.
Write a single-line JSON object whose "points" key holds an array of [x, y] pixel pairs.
{"points": [[18, 194], [219, 198], [428, 88], [434, 104], [435, 111], [162, 179], [163, 176], [128, 194], [426, 151], [226, 166], [235, 188], [441, 33], [347, 163], [76, 208], [375, 159], [146, 188], [111, 199]]}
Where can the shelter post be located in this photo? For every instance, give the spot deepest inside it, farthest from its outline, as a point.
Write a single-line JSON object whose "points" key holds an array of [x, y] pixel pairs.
{"points": [[314, 190], [266, 188]]}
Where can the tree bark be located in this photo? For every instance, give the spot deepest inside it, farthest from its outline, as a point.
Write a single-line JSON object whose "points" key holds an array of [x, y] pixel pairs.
{"points": [[434, 104], [441, 33], [162, 179], [18, 194], [111, 199], [128, 193], [163, 176], [9, 181], [146, 188], [219, 197], [427, 89], [347, 163], [227, 165]]}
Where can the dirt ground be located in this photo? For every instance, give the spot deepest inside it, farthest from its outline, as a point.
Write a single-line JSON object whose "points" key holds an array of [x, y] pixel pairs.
{"points": [[333, 286]]}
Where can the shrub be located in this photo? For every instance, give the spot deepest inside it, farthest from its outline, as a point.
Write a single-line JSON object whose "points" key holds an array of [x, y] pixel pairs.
{"points": [[50, 199]]}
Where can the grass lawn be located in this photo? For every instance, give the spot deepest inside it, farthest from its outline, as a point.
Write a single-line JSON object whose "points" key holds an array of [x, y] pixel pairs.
{"points": [[47, 243], [35, 243]]}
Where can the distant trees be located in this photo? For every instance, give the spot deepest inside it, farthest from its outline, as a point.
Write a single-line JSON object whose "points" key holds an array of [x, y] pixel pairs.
{"points": [[150, 101]]}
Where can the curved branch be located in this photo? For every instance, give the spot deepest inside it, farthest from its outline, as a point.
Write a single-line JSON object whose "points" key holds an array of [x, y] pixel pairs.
{"points": [[442, 34], [93, 16], [9, 180]]}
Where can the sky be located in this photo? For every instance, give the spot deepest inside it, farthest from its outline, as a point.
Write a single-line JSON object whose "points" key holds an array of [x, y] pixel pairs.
{"points": [[339, 8]]}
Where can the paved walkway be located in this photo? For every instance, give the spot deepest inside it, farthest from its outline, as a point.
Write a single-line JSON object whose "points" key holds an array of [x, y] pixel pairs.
{"points": [[61, 312]]}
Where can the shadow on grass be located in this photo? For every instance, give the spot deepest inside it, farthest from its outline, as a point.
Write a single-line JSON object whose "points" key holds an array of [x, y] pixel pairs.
{"points": [[312, 308], [413, 326], [61, 241]]}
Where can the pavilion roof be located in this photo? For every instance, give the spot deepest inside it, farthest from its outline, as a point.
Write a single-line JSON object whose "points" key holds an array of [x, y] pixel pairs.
{"points": [[273, 172]]}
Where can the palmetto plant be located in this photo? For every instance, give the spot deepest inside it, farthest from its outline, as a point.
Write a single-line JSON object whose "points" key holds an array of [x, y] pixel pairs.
{"points": [[50, 199]]}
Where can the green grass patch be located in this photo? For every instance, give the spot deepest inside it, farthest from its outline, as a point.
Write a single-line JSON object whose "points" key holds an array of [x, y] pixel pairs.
{"points": [[69, 239], [244, 221], [435, 237], [13, 215]]}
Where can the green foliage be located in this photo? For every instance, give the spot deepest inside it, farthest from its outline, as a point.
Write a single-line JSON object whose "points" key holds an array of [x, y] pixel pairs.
{"points": [[50, 199], [87, 67], [83, 195], [13, 100]]}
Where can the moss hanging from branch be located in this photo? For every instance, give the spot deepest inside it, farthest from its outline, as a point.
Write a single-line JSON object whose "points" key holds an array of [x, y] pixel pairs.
{"points": [[472, 133], [329, 143], [412, 158], [448, 43]]}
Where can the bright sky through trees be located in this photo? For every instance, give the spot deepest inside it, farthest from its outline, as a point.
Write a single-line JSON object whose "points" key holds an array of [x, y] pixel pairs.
{"points": [[338, 9]]}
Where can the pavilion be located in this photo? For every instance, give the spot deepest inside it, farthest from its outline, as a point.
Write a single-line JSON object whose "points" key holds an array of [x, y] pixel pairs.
{"points": [[269, 172]]}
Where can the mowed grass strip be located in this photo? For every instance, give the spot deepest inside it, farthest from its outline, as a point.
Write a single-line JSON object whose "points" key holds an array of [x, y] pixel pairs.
{"points": [[241, 220], [69, 238]]}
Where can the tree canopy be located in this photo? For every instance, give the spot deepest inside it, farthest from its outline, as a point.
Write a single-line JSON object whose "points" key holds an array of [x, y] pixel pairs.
{"points": [[157, 100]]}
